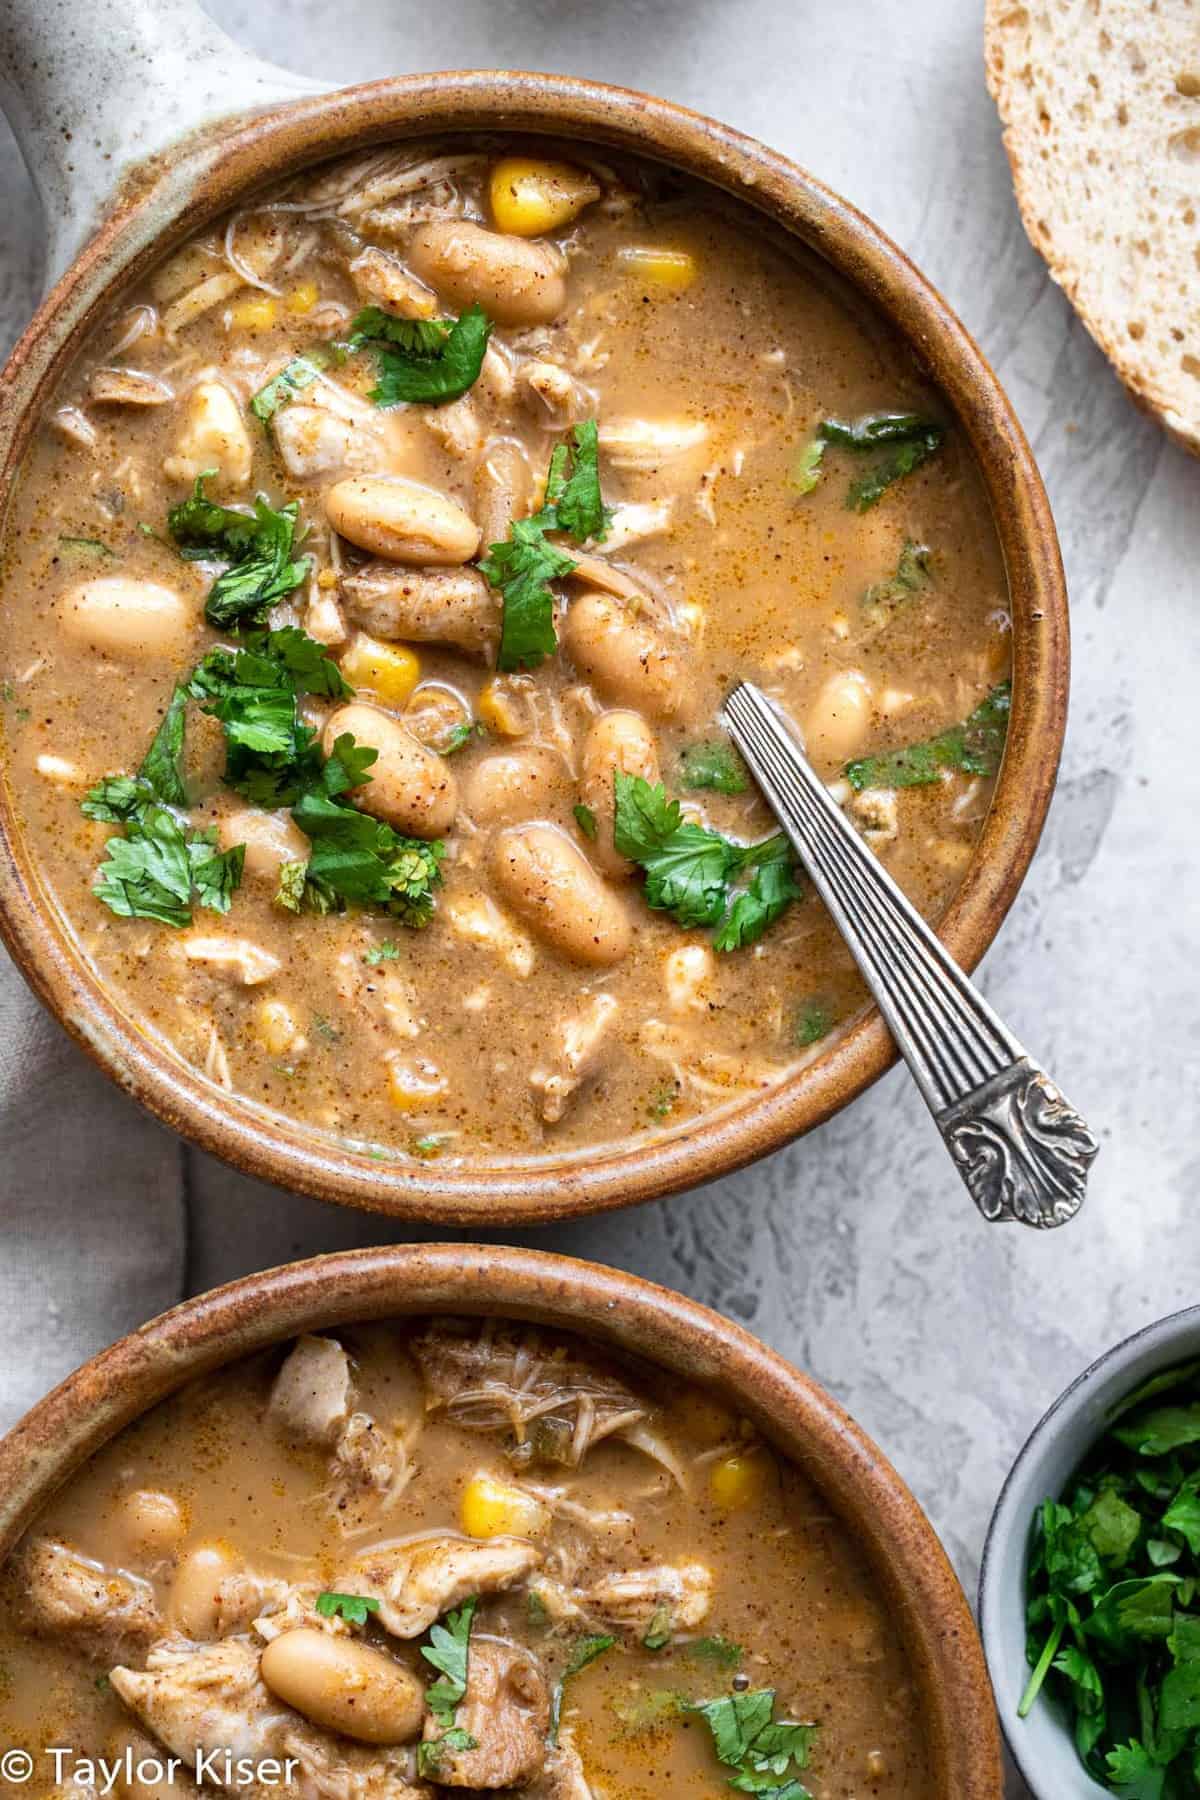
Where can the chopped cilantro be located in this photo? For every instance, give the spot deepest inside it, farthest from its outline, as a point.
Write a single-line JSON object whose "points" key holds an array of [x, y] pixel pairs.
{"points": [[352, 1607], [643, 1709], [692, 872], [1112, 1633], [381, 953], [900, 442], [428, 1146], [85, 546], [912, 574], [812, 1024], [522, 567], [586, 1650], [257, 545], [422, 360], [292, 379], [448, 1650], [460, 735], [359, 858], [973, 748], [766, 1753], [585, 818], [660, 1629], [162, 765], [806, 468], [431, 1752], [720, 1650], [713, 765], [150, 872]]}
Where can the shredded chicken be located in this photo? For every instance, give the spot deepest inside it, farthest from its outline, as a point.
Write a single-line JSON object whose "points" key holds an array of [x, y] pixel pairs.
{"points": [[506, 1709], [313, 1393], [562, 1777], [631, 1601], [214, 1702], [102, 1613], [416, 1581], [236, 958], [576, 1048], [425, 606], [128, 387]]}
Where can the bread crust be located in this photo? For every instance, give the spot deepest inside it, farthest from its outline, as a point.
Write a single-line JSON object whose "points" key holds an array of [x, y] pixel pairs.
{"points": [[1100, 105]]}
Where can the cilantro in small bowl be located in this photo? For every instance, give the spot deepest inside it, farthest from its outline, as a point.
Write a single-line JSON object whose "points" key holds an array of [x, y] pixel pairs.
{"points": [[1090, 1592]]}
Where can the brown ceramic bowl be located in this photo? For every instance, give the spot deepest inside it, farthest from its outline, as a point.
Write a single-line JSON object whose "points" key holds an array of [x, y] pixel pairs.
{"points": [[170, 201], [801, 1420]]}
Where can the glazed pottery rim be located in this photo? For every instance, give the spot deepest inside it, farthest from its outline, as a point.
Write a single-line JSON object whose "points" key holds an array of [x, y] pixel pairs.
{"points": [[171, 197], [1012, 1516], [662, 1327]]}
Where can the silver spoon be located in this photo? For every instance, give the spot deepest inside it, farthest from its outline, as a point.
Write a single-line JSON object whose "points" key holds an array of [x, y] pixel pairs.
{"points": [[1022, 1150]]}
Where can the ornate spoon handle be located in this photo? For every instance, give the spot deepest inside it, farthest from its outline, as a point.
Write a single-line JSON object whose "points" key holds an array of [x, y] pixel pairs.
{"points": [[1022, 1150]]}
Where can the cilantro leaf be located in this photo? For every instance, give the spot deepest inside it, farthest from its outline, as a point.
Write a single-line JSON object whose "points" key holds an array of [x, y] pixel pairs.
{"points": [[356, 857], [900, 442], [1133, 1774], [766, 1752], [431, 1752], [660, 1630], [713, 765], [448, 1650], [585, 818], [522, 567], [257, 545], [573, 486], [271, 755], [162, 765], [292, 379], [422, 360], [586, 1650], [806, 467], [912, 574], [812, 1024], [352, 1607], [216, 874], [150, 871], [974, 748], [691, 871]]}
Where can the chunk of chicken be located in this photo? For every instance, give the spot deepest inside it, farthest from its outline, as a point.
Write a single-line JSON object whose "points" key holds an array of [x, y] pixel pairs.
{"points": [[212, 436], [312, 440], [644, 446], [381, 279], [478, 919], [416, 1582], [555, 392], [128, 387], [554, 1401], [506, 1709], [102, 1613], [456, 427], [574, 1053], [426, 606], [213, 1702], [313, 1393], [235, 958], [562, 1777], [630, 1601], [367, 1459]]}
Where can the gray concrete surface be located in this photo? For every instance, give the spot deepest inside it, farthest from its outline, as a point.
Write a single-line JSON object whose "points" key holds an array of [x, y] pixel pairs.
{"points": [[856, 1252]]}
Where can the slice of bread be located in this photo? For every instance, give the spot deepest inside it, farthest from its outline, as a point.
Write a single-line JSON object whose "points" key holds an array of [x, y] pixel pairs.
{"points": [[1100, 101]]}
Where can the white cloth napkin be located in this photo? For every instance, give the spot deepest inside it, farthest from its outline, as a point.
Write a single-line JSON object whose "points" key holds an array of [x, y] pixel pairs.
{"points": [[92, 1238]]}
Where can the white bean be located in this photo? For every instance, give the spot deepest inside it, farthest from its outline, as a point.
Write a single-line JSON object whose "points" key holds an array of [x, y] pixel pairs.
{"points": [[270, 839], [616, 740], [410, 787], [195, 1592], [402, 520], [344, 1686], [555, 890], [212, 435], [839, 719], [625, 656], [515, 784], [517, 281], [133, 620]]}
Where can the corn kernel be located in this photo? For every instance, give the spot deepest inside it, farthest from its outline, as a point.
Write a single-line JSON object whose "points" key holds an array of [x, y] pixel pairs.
{"points": [[738, 1480], [303, 297], [278, 1030], [499, 709], [255, 315], [530, 197], [327, 579], [495, 1508], [668, 271], [413, 1083], [388, 671]]}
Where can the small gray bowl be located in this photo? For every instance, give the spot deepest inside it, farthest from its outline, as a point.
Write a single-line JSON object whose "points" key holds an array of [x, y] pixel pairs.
{"points": [[1042, 1745]]}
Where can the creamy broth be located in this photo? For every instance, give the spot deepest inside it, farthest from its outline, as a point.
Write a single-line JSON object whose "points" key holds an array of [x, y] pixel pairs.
{"points": [[546, 1005], [587, 1503]]}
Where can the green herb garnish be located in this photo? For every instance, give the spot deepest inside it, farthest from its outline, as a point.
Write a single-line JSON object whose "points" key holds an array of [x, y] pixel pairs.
{"points": [[912, 574], [766, 1753], [972, 748], [448, 1650], [660, 1630], [522, 567], [720, 1650], [1113, 1624], [352, 1607], [586, 1651], [292, 379], [381, 953], [585, 818], [812, 1024], [899, 443], [422, 360], [258, 547], [713, 765], [692, 872], [431, 1752], [85, 546]]}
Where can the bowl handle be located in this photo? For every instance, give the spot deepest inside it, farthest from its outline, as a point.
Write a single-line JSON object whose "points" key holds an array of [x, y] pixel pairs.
{"points": [[92, 90]]}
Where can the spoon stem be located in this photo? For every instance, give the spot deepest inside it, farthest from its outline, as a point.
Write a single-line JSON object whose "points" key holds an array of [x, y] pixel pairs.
{"points": [[1022, 1150]]}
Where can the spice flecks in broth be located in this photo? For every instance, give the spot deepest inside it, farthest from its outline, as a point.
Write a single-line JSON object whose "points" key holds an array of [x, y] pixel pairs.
{"points": [[547, 456]]}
